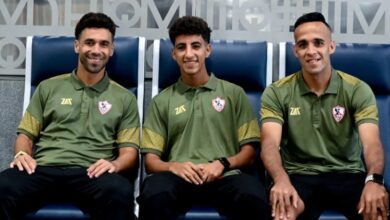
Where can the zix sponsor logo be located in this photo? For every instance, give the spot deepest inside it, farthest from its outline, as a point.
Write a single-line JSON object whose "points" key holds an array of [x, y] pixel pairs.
{"points": [[180, 109]]}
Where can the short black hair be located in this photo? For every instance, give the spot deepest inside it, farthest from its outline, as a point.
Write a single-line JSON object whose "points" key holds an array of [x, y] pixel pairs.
{"points": [[189, 25], [311, 17], [95, 20]]}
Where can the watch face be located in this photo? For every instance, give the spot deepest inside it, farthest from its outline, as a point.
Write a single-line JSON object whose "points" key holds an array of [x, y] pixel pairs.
{"points": [[377, 178]]}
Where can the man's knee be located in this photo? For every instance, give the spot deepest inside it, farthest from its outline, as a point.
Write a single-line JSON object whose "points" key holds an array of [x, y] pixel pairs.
{"points": [[115, 187]]}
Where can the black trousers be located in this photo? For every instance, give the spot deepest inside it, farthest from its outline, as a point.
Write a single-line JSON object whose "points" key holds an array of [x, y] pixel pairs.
{"points": [[165, 196], [337, 191], [108, 197]]}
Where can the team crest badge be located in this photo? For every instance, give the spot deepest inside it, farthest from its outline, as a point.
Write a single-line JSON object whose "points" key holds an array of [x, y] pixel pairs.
{"points": [[338, 113], [104, 107], [218, 104]]}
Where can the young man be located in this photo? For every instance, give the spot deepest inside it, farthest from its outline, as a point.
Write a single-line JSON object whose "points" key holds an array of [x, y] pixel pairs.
{"points": [[198, 134], [78, 147], [319, 162]]}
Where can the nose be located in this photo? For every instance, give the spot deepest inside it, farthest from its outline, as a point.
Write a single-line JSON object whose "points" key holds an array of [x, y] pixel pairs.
{"points": [[311, 49], [95, 48], [189, 52]]}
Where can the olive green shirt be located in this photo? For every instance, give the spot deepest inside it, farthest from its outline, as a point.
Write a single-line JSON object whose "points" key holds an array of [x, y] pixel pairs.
{"points": [[199, 124], [320, 134], [72, 124]]}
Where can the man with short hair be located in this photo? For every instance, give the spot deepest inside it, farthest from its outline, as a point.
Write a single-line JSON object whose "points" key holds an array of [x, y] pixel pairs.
{"points": [[82, 143], [198, 135], [316, 124]]}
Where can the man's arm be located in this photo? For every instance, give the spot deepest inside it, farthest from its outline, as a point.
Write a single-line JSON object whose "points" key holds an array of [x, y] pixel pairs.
{"points": [[244, 158], [374, 200], [284, 198], [127, 159], [23, 154]]}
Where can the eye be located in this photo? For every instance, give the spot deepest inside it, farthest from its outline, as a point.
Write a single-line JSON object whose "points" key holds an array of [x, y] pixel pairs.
{"points": [[180, 47], [105, 44], [302, 45], [89, 42], [196, 46], [319, 43]]}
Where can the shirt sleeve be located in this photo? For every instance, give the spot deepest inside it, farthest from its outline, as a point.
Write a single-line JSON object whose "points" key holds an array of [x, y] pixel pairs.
{"points": [[271, 107], [154, 131], [128, 132], [364, 103], [32, 120], [248, 126]]}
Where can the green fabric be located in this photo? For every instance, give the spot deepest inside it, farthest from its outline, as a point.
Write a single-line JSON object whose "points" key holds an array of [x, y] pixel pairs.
{"points": [[182, 125], [64, 120], [313, 140]]}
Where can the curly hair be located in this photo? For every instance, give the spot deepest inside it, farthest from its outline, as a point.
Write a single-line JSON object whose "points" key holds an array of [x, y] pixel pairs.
{"points": [[189, 25], [95, 20]]}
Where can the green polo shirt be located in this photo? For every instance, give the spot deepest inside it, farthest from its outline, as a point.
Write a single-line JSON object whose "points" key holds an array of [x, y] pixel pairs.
{"points": [[320, 134], [72, 124], [199, 124]]}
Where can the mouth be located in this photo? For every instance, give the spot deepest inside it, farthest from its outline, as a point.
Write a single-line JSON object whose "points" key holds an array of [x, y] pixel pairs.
{"points": [[190, 61], [95, 60], [313, 60]]}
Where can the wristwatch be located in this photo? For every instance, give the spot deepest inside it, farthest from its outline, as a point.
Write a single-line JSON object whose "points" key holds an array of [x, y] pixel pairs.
{"points": [[225, 163], [376, 178]]}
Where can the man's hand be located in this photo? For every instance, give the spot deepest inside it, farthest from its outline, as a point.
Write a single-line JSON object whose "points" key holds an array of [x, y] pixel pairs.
{"points": [[285, 201], [101, 166], [190, 172], [211, 171], [374, 202], [24, 162]]}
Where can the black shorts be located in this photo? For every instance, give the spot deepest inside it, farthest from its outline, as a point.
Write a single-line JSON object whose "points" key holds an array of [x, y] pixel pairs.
{"points": [[337, 191]]}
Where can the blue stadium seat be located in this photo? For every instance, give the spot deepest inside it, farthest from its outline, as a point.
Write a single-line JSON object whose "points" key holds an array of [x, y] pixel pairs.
{"points": [[368, 62], [247, 64], [48, 56]]}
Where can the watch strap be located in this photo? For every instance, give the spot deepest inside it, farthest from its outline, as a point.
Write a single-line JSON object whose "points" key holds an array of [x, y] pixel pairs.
{"points": [[377, 178], [225, 162]]}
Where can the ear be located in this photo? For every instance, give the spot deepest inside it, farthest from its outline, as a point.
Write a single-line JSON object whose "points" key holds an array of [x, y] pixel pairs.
{"points": [[173, 54], [332, 47], [76, 46], [112, 50], [295, 50], [208, 50]]}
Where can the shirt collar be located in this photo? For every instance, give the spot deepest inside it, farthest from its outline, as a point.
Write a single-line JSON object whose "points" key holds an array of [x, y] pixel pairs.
{"points": [[210, 85], [331, 89], [99, 87]]}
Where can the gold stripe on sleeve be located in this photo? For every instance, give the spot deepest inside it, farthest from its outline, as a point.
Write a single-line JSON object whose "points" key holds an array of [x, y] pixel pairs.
{"points": [[130, 135], [369, 112], [152, 140], [249, 130], [30, 124]]}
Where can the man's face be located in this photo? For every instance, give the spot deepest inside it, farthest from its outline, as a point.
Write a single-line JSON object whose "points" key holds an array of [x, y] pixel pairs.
{"points": [[94, 47], [190, 52], [313, 46]]}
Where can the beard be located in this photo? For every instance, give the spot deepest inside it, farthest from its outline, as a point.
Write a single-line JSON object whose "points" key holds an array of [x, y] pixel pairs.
{"points": [[91, 67]]}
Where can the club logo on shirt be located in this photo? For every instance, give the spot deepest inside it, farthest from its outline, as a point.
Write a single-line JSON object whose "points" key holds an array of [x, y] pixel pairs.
{"points": [[338, 113], [104, 107], [218, 104]]}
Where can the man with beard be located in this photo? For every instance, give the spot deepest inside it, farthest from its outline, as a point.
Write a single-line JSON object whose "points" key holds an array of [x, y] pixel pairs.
{"points": [[85, 131]]}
